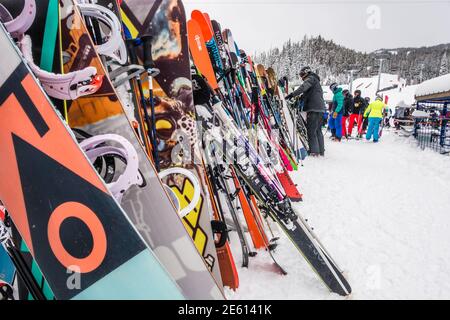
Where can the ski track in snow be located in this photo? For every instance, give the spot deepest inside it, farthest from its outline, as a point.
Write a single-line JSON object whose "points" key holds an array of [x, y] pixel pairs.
{"points": [[383, 212]]}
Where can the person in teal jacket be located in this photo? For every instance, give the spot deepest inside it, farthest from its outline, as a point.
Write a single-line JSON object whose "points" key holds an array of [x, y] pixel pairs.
{"points": [[337, 111], [375, 112]]}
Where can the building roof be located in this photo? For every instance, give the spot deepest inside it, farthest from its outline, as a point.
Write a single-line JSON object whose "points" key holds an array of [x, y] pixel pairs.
{"points": [[437, 89]]}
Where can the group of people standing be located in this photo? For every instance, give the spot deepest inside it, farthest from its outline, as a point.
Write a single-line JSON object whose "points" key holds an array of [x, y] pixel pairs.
{"points": [[344, 111]]}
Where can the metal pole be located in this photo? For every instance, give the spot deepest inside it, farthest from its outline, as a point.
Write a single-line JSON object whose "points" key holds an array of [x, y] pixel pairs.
{"points": [[444, 126], [379, 75], [351, 81], [421, 72]]}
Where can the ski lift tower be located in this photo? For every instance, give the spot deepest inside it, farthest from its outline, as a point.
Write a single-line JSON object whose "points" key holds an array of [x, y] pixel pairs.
{"points": [[381, 58], [353, 71]]}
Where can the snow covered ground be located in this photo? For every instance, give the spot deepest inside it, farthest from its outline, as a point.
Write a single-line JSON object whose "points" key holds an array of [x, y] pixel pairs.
{"points": [[383, 211]]}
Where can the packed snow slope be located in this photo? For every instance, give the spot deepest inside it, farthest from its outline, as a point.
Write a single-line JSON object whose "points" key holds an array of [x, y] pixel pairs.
{"points": [[382, 210]]}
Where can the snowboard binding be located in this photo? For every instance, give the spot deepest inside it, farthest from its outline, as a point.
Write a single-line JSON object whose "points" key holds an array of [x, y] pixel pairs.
{"points": [[64, 87], [197, 189], [113, 46], [104, 146], [19, 25], [70, 86]]}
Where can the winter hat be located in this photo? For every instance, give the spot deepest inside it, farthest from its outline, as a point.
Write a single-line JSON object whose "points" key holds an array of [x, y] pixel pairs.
{"points": [[345, 92], [333, 86], [305, 71], [358, 93]]}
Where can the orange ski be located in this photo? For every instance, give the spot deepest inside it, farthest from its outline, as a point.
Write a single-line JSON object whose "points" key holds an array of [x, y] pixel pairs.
{"points": [[202, 21], [228, 271], [289, 187], [256, 233], [200, 54]]}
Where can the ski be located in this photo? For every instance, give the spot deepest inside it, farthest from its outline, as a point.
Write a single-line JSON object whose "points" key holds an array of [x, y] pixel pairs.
{"points": [[279, 208]]}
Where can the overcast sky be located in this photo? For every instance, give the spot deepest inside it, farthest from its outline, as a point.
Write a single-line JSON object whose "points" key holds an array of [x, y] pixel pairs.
{"points": [[358, 24]]}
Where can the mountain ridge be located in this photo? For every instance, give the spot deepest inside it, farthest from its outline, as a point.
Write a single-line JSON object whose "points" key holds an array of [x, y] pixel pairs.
{"points": [[333, 61]]}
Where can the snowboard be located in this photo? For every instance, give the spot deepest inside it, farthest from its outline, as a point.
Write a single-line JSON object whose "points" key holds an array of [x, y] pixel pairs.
{"points": [[148, 206], [177, 133], [46, 54], [80, 237], [44, 31]]}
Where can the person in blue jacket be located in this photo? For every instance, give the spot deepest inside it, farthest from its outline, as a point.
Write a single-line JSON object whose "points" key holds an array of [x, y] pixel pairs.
{"points": [[337, 111]]}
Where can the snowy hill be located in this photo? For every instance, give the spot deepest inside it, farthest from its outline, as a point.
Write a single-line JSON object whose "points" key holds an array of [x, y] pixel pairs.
{"points": [[391, 86], [332, 62], [368, 86]]}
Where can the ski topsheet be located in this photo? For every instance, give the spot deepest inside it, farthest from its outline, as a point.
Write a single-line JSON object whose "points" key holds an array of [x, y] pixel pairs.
{"points": [[175, 115], [79, 236], [148, 205]]}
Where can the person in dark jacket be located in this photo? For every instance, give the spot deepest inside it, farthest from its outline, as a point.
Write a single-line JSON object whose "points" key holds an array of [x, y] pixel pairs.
{"points": [[348, 104], [356, 113], [314, 105], [366, 120]]}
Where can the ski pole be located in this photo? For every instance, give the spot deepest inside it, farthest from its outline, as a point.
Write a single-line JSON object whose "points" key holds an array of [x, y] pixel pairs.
{"points": [[134, 60], [152, 72]]}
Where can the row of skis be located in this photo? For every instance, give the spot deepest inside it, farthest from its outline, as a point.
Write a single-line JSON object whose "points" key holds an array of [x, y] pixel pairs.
{"points": [[133, 144]]}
